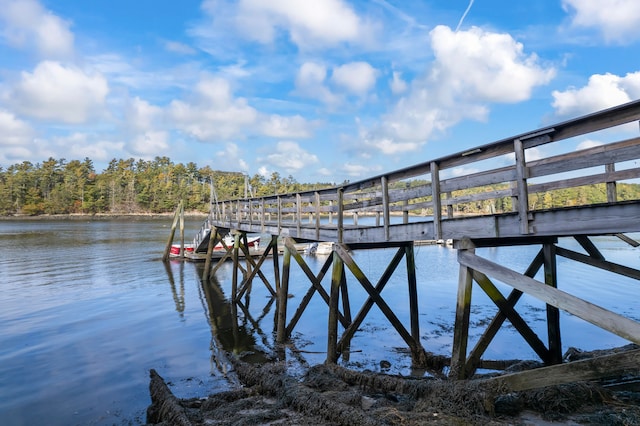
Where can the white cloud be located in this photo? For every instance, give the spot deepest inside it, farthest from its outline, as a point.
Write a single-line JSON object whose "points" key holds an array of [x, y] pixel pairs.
{"points": [[59, 93], [602, 91], [357, 170], [471, 68], [264, 172], [97, 150], [618, 20], [279, 126], [308, 24], [120, 70], [26, 24], [290, 156], [484, 66], [141, 115], [213, 113], [310, 82], [389, 146], [355, 77], [323, 171], [149, 144], [398, 85], [79, 145], [231, 155], [13, 131]]}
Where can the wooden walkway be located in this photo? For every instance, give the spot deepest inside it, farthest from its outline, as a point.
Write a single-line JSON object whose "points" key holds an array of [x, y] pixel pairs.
{"points": [[430, 201]]}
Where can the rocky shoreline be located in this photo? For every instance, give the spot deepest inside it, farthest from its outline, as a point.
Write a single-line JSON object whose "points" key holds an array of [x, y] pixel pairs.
{"points": [[332, 395]]}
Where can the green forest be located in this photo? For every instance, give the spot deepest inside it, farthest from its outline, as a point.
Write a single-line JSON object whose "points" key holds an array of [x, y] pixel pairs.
{"points": [[157, 186], [126, 187]]}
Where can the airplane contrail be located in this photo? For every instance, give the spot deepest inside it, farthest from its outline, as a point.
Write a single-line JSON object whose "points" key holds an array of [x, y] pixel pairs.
{"points": [[464, 15]]}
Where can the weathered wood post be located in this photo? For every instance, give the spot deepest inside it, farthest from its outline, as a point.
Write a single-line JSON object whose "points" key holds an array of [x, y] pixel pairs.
{"points": [[413, 291], [437, 201], [346, 309], [236, 249], [332, 333], [245, 242], [276, 267], [463, 311], [405, 205], [521, 186], [213, 235], [317, 208], [167, 248], [612, 195], [553, 313], [298, 214], [283, 295], [340, 214], [385, 206]]}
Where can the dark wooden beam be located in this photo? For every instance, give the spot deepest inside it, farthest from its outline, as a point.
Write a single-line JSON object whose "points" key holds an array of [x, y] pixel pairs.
{"points": [[624, 363]]}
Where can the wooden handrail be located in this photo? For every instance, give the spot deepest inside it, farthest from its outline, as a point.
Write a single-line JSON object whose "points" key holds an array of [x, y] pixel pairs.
{"points": [[505, 173]]}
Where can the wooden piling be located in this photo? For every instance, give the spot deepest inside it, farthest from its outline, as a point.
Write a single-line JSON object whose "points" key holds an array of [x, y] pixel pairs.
{"points": [[213, 235], [461, 327], [332, 332], [234, 282], [413, 290], [553, 313], [283, 295], [179, 212]]}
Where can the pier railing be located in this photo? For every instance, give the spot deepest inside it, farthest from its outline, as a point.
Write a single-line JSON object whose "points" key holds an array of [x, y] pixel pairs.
{"points": [[506, 177]]}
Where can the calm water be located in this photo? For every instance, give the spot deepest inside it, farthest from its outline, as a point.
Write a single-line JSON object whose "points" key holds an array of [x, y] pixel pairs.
{"points": [[87, 308]]}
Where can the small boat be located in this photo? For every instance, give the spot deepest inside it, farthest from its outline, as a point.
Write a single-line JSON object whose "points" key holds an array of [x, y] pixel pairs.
{"points": [[319, 249], [175, 249], [252, 243]]}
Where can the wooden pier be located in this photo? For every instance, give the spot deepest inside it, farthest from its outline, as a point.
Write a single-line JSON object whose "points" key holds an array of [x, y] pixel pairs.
{"points": [[427, 202]]}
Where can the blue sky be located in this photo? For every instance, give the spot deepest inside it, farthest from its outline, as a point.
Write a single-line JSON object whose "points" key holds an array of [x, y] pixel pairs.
{"points": [[324, 91]]}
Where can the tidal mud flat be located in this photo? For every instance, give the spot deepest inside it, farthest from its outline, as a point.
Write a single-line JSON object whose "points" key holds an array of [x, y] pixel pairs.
{"points": [[328, 394]]}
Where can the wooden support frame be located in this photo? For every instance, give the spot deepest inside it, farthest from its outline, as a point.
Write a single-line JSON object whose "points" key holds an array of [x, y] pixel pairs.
{"points": [[505, 305], [602, 264], [342, 255], [255, 270], [316, 286], [368, 304], [507, 309], [463, 366], [603, 318]]}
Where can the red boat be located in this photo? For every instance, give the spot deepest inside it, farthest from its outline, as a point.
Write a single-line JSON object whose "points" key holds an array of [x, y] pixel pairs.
{"points": [[252, 242]]}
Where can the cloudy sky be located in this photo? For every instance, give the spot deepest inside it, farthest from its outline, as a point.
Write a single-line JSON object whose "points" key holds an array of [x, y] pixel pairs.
{"points": [[322, 90]]}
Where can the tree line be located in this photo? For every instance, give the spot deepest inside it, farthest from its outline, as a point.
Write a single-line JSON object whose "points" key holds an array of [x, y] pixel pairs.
{"points": [[57, 186], [158, 185]]}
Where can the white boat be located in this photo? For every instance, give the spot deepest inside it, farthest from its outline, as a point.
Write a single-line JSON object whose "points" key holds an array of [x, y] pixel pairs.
{"points": [[319, 249]]}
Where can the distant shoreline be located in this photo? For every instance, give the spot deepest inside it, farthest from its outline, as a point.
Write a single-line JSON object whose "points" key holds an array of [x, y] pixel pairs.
{"points": [[99, 216]]}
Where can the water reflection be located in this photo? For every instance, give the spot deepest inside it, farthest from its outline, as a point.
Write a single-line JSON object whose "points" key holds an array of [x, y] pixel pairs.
{"points": [[177, 298], [231, 333]]}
